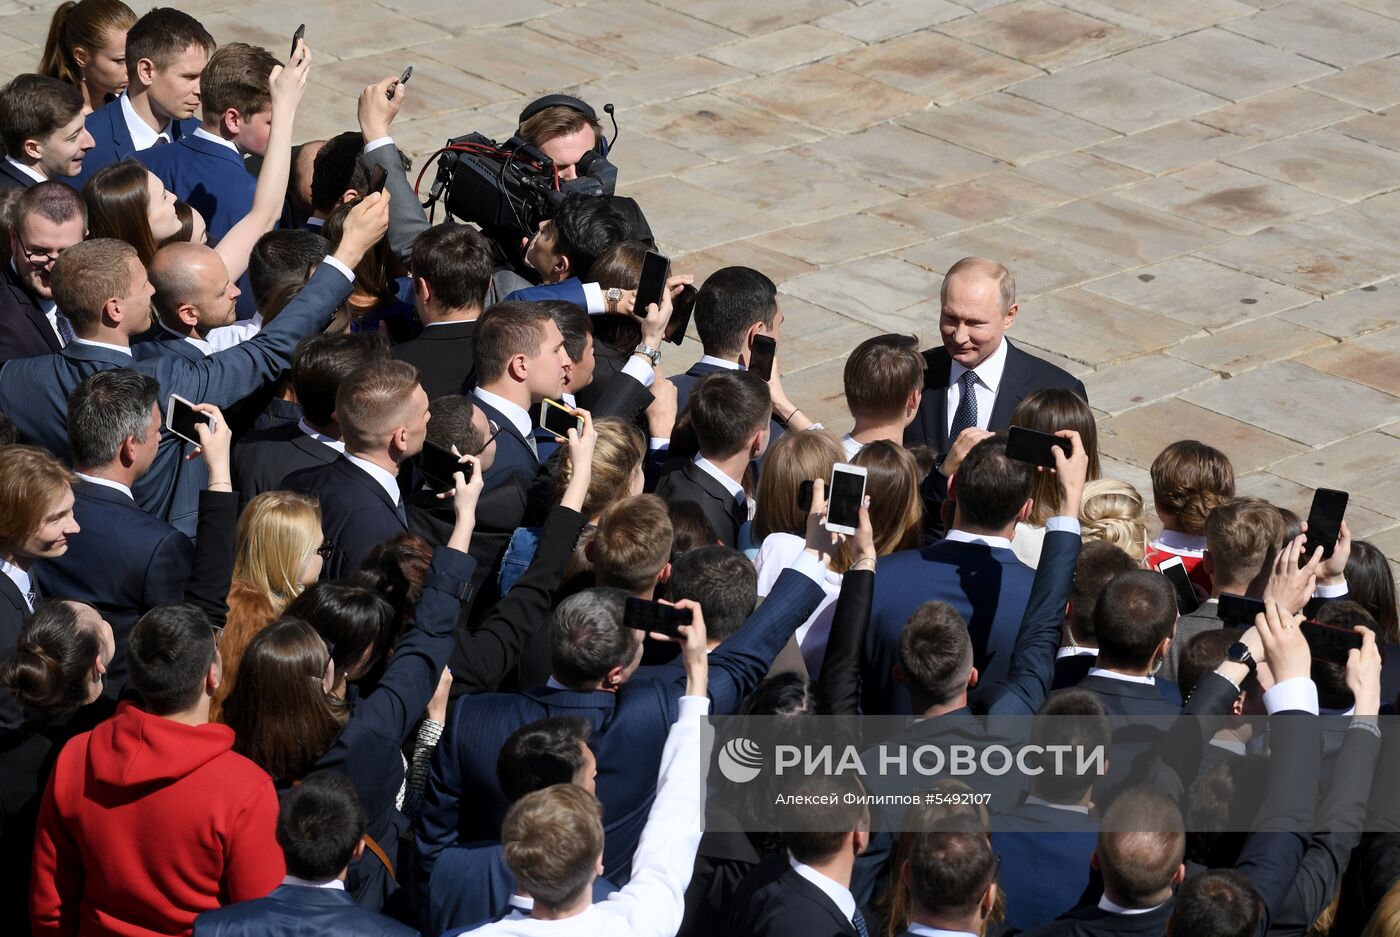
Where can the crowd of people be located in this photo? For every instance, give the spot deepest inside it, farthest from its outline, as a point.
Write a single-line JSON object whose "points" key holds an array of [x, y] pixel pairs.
{"points": [[308, 626]]}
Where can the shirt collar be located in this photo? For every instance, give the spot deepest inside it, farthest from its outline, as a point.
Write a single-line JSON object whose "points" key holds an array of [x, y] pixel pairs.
{"points": [[833, 889], [519, 417], [712, 470], [124, 349], [321, 438], [334, 884], [386, 479], [206, 135], [1076, 650], [1147, 680], [721, 363], [1233, 746], [923, 930], [988, 372], [20, 578], [1178, 542], [1114, 908], [106, 483], [1035, 801], [29, 171], [962, 536], [205, 348], [142, 136]]}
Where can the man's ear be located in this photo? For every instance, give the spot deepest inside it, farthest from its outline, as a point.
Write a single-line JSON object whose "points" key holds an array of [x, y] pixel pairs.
{"points": [[1010, 319], [188, 315], [1026, 509], [589, 550], [231, 120], [422, 290], [561, 267], [32, 148], [911, 406], [989, 901], [1094, 860], [1180, 875], [518, 368], [146, 72], [665, 574], [126, 452], [972, 677], [112, 311]]}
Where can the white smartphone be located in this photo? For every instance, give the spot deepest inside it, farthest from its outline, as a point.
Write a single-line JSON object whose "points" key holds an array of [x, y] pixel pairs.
{"points": [[1175, 570], [843, 498], [181, 418]]}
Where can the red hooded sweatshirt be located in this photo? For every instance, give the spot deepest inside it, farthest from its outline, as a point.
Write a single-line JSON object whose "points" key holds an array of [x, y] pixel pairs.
{"points": [[147, 822]]}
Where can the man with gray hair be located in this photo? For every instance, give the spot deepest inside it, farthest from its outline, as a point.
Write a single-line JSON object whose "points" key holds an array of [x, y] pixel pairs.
{"points": [[125, 562]]}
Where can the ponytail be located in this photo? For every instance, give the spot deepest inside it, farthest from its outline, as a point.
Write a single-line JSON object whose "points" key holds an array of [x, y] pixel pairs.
{"points": [[50, 667], [57, 60]]}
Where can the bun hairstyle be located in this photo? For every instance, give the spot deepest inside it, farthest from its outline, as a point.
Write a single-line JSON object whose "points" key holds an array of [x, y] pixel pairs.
{"points": [[53, 658], [1114, 512]]}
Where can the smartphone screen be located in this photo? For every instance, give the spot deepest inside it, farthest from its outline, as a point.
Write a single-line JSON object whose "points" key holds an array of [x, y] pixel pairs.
{"points": [[407, 74], [681, 308], [1186, 599], [1238, 609], [644, 616], [761, 360], [843, 498], [1324, 522], [1028, 445], [181, 418], [437, 465], [1330, 643], [656, 268], [559, 419]]}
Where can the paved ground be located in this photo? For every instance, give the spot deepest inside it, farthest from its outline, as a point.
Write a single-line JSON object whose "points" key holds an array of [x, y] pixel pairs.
{"points": [[1194, 195]]}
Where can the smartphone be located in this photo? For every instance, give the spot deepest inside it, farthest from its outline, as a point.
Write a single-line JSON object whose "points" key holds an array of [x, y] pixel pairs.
{"points": [[656, 269], [761, 358], [1175, 570], [843, 498], [377, 178], [437, 464], [1324, 523], [403, 79], [1330, 643], [681, 308], [1028, 445], [559, 419], [645, 616], [181, 418], [1238, 609], [804, 496], [297, 37]]}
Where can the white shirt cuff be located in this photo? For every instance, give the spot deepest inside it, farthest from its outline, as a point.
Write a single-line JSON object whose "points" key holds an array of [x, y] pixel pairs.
{"points": [[376, 144], [694, 705], [809, 566], [1065, 523], [641, 369], [1300, 693], [346, 271], [656, 443], [1333, 591], [593, 295]]}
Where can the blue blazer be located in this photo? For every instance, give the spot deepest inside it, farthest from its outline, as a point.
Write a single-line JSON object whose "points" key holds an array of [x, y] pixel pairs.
{"points": [[472, 885], [34, 391], [513, 455], [570, 291], [463, 800], [302, 910], [208, 175], [151, 567], [112, 138], [1044, 861], [988, 586], [357, 513]]}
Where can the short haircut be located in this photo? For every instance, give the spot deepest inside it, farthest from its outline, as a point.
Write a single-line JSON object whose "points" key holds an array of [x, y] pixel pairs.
{"points": [[950, 871], [321, 362], [451, 424], [283, 258], [505, 330], [1141, 844], [722, 581], [843, 813], [584, 227], [983, 266], [587, 637], [541, 754], [935, 653], [1189, 480], [1098, 563], [574, 324], [1241, 537], [551, 841], [728, 303], [1201, 654], [456, 262], [105, 410], [373, 400], [162, 36], [86, 276], [1076, 718], [33, 107], [632, 543], [354, 620], [1332, 690], [319, 825], [1217, 903], [55, 201], [1135, 612], [726, 409], [168, 654], [30, 480], [236, 77], [880, 375], [990, 488], [551, 122], [333, 170]]}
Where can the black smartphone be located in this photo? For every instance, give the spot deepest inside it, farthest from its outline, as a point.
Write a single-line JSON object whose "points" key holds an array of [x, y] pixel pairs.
{"points": [[1028, 445], [181, 418], [297, 37], [681, 308], [1330, 643], [804, 496], [645, 616], [1324, 523], [377, 178], [1175, 570], [761, 357], [656, 270], [843, 498], [437, 465], [559, 419], [407, 74], [1238, 610]]}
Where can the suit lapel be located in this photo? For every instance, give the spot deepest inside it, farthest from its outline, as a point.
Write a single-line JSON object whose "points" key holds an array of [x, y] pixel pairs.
{"points": [[362, 478], [23, 179], [506, 426], [317, 450], [812, 893], [1012, 389], [26, 301], [121, 133]]}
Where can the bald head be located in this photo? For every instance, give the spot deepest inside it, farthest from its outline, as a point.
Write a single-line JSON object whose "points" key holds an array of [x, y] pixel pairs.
{"points": [[193, 291], [302, 166], [978, 306]]}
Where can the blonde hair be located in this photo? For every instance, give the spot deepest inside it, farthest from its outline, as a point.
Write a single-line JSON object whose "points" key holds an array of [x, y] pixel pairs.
{"points": [[1113, 511], [617, 455], [1385, 922], [793, 459], [278, 534]]}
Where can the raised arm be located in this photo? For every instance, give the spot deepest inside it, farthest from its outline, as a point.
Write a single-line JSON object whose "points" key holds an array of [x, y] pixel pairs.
{"points": [[211, 571], [840, 673], [377, 111]]}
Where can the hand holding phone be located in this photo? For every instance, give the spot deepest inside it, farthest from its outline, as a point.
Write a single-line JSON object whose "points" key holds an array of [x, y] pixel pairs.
{"points": [[681, 308], [651, 617], [181, 418], [844, 497], [297, 37], [1175, 570], [437, 464], [559, 419], [403, 80], [1028, 445], [1324, 523], [656, 269], [765, 349]]}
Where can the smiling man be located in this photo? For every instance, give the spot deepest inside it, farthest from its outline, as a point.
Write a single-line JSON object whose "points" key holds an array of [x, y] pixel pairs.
{"points": [[41, 128], [48, 218]]}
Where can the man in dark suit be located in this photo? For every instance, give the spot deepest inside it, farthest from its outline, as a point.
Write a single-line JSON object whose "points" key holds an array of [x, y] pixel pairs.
{"points": [[41, 128], [1135, 622], [730, 414], [47, 219], [321, 828], [166, 50], [383, 416], [1098, 563], [103, 288], [263, 458], [953, 880], [451, 271]]}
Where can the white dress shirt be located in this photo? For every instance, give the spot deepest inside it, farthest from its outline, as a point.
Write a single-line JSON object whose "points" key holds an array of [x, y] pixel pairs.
{"points": [[923, 930], [1059, 522], [1034, 801], [321, 438], [712, 470], [1114, 908], [21, 580], [227, 336], [124, 349], [107, 483], [850, 446], [1076, 650], [386, 479], [721, 363], [984, 389], [213, 138], [1147, 680], [205, 348], [29, 171], [839, 894], [518, 416], [334, 884], [142, 136]]}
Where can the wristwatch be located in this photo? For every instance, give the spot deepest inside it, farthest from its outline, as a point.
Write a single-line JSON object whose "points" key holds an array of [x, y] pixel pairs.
{"points": [[614, 298], [1239, 653], [651, 354]]}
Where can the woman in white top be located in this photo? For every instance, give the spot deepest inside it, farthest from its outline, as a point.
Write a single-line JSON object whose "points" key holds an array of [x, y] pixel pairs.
{"points": [[1049, 411]]}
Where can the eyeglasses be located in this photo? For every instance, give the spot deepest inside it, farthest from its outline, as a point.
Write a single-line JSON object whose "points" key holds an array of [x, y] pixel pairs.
{"points": [[495, 431], [218, 634], [40, 257]]}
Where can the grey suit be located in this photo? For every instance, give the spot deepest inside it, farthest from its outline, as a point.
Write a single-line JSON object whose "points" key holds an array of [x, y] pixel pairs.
{"points": [[1187, 627]]}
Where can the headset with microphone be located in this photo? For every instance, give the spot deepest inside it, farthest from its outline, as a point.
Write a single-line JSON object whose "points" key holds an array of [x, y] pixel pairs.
{"points": [[603, 144]]}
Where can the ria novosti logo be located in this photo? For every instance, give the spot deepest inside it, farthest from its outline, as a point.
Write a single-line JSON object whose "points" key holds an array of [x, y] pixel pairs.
{"points": [[740, 760]]}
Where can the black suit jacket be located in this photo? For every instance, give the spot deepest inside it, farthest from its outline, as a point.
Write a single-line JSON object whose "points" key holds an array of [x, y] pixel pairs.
{"points": [[774, 901], [356, 512], [24, 331], [264, 457], [1125, 698], [443, 356], [13, 611], [513, 454], [12, 178], [299, 909], [688, 482]]}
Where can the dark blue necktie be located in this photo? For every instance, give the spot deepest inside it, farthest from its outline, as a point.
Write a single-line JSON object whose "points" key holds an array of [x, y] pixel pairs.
{"points": [[966, 414], [858, 920], [65, 328]]}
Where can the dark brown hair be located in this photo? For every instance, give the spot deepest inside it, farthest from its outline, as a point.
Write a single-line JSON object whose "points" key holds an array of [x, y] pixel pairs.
{"points": [[162, 35], [1189, 480], [49, 669], [1050, 410], [34, 106], [505, 330], [118, 199], [880, 375]]}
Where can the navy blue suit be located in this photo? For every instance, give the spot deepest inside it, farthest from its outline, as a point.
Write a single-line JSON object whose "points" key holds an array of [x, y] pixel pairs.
{"points": [[124, 562], [208, 175], [463, 801], [570, 291], [513, 454], [686, 382], [34, 391], [12, 178], [1044, 860], [302, 910], [356, 512], [473, 884], [24, 330], [112, 138]]}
